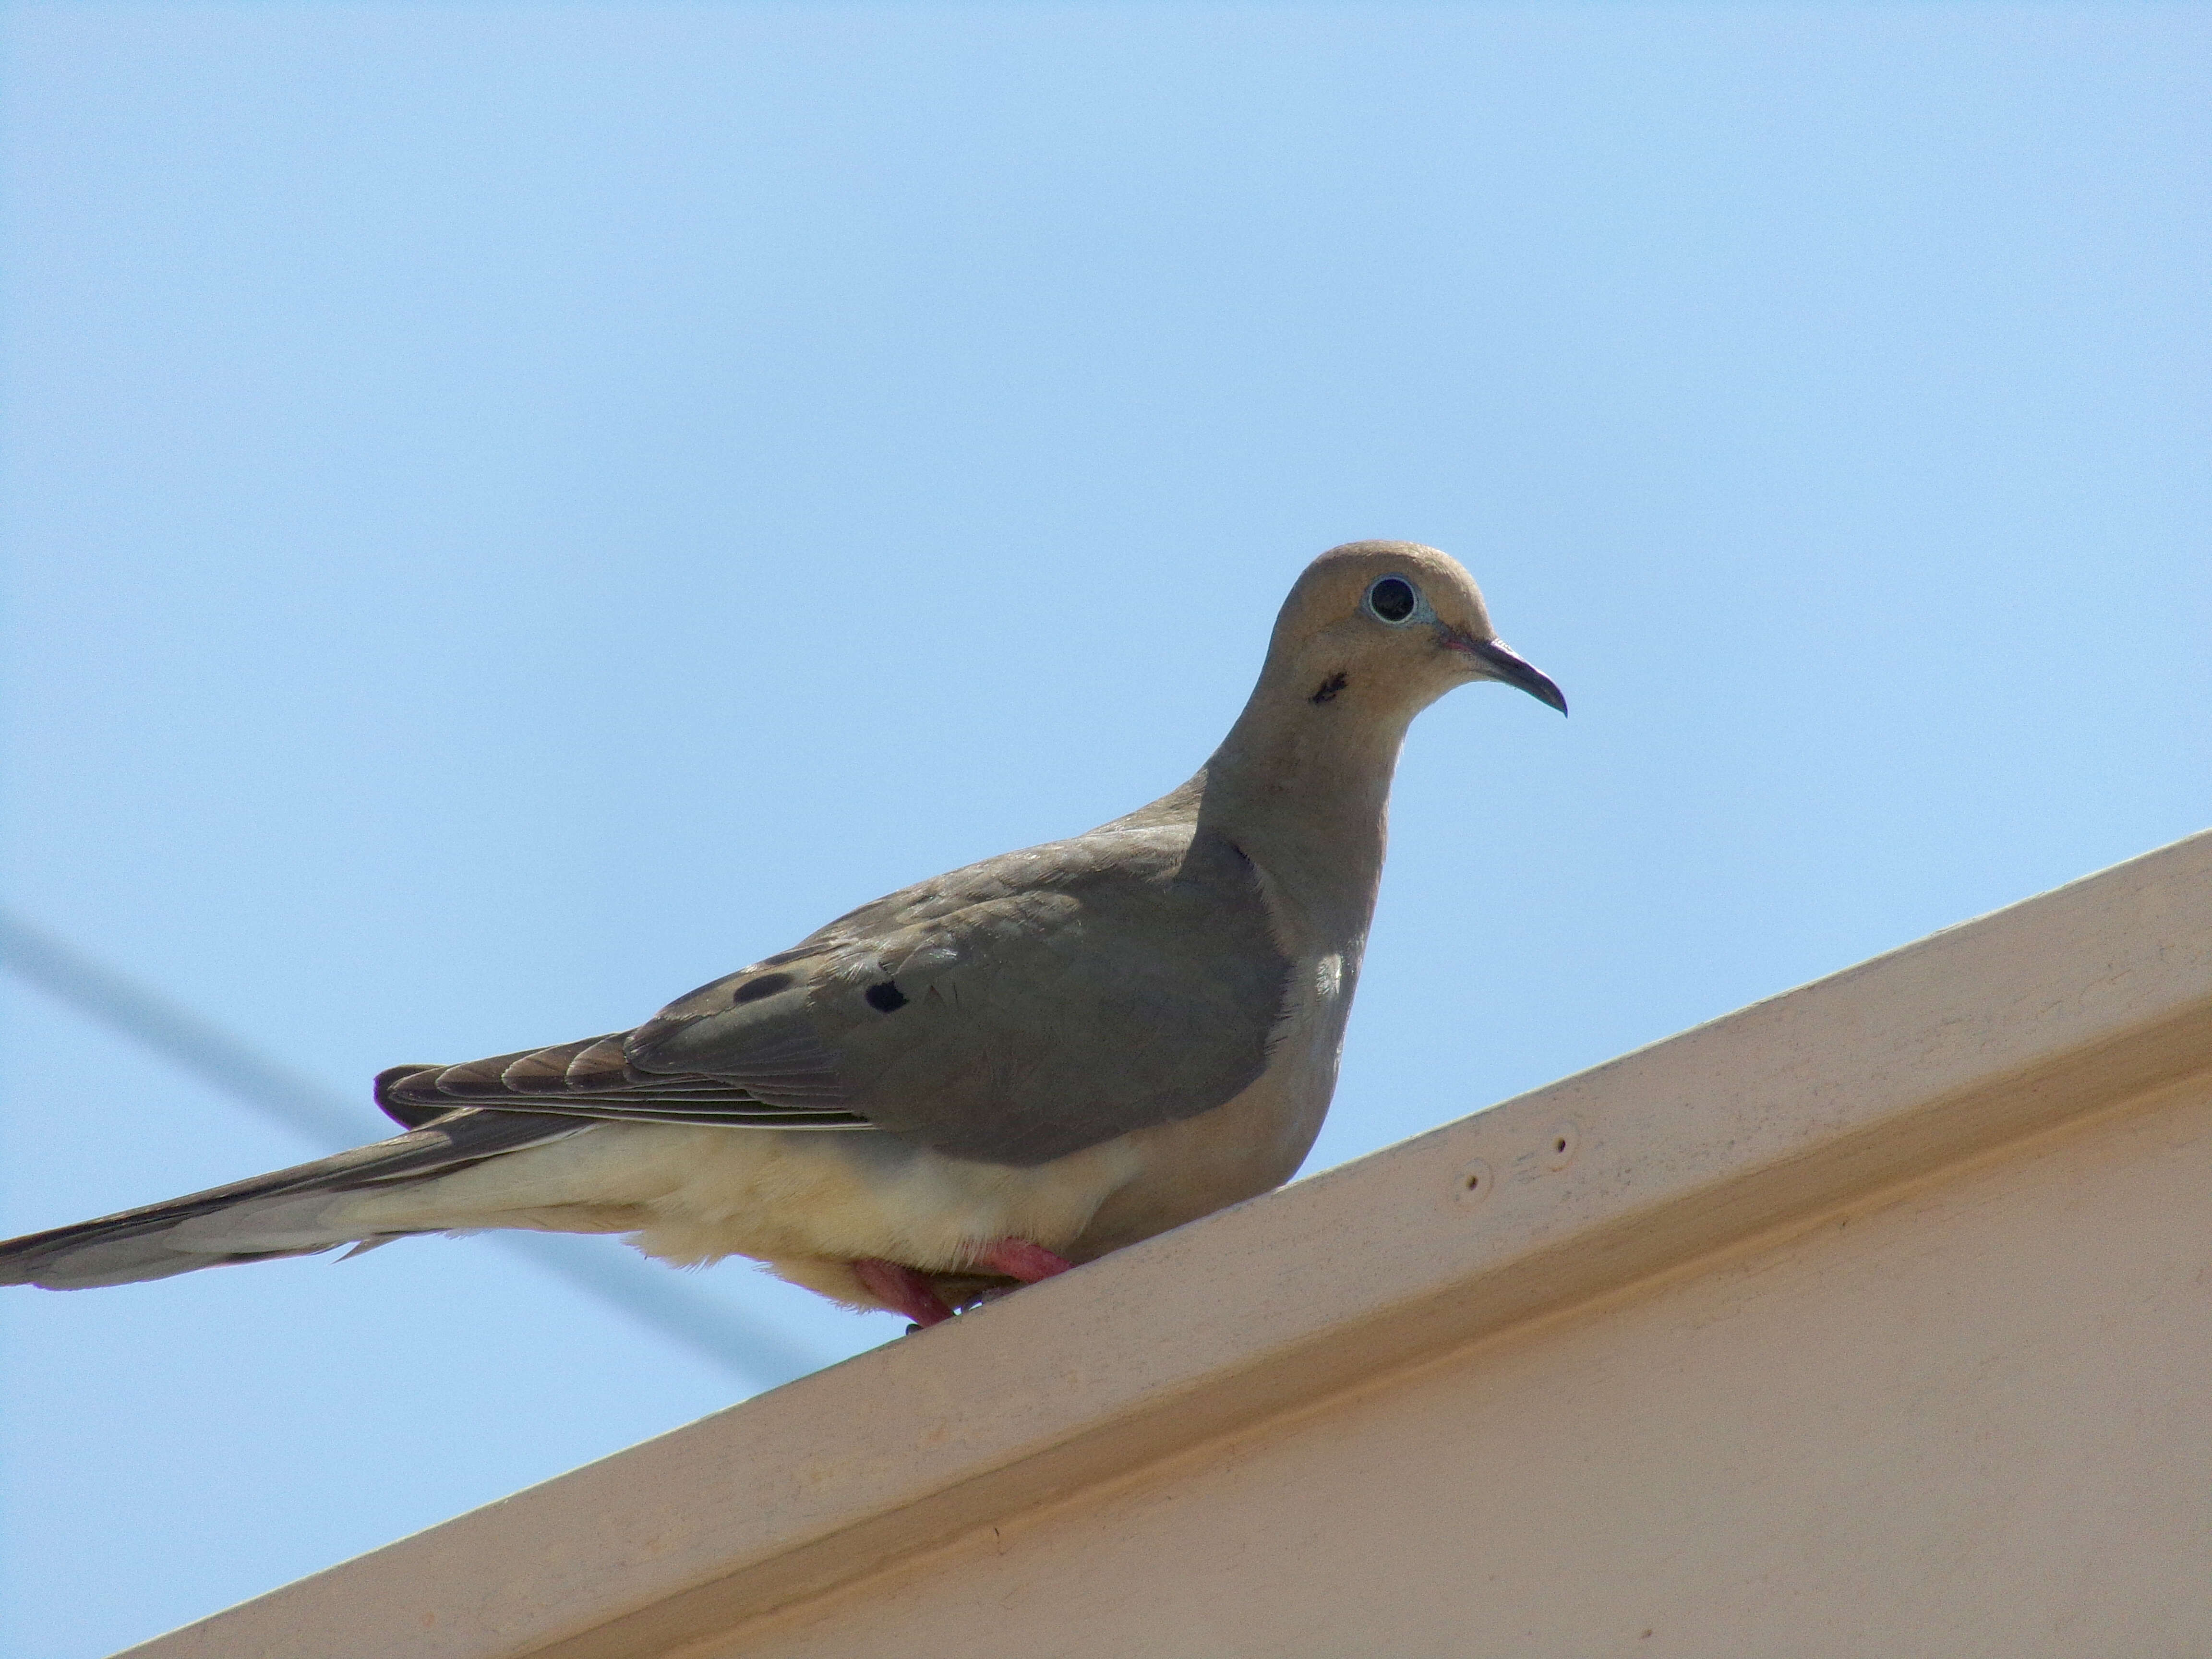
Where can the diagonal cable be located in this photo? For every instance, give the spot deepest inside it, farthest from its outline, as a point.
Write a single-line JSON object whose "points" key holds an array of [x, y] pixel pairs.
{"points": [[653, 1297]]}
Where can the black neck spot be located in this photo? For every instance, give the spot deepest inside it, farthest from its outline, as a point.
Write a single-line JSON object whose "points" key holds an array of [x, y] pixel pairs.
{"points": [[887, 998], [1329, 687]]}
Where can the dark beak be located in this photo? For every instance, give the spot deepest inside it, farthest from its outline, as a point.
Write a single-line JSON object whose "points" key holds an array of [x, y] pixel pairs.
{"points": [[1500, 664]]}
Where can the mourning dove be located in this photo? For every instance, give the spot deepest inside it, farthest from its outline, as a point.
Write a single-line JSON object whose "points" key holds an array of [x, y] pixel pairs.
{"points": [[979, 1080]]}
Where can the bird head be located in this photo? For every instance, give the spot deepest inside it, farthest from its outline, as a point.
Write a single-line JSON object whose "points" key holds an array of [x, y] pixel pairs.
{"points": [[1391, 626]]}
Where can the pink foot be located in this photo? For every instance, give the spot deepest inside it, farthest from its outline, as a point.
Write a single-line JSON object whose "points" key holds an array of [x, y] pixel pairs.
{"points": [[1017, 1258], [904, 1290]]}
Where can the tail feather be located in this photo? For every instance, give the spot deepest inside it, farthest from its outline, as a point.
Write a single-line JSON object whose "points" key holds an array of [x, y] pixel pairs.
{"points": [[182, 1234]]}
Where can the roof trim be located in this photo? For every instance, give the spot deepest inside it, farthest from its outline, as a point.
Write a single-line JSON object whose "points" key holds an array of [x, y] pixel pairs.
{"points": [[2071, 1002]]}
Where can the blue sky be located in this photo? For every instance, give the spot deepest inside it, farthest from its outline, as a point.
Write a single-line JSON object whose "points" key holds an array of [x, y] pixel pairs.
{"points": [[515, 511]]}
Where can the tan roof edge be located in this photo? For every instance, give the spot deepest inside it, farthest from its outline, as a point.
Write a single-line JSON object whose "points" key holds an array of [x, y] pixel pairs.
{"points": [[2069, 1002]]}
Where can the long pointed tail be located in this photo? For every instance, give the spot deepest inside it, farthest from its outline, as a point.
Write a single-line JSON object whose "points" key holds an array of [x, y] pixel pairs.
{"points": [[232, 1224]]}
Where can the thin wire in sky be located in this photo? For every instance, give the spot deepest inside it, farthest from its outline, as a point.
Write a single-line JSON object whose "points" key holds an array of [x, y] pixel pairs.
{"points": [[653, 1297]]}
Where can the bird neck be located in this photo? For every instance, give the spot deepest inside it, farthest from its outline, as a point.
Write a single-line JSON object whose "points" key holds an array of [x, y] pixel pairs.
{"points": [[1304, 790]]}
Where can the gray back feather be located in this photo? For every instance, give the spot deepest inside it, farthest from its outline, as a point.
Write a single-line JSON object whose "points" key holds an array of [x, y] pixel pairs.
{"points": [[1013, 1011]]}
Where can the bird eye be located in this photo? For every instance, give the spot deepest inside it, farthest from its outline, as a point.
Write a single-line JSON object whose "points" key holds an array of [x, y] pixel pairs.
{"points": [[1392, 600]]}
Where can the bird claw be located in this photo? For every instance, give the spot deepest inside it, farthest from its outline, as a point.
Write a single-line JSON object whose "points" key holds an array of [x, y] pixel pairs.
{"points": [[904, 1290], [914, 1294], [1017, 1258]]}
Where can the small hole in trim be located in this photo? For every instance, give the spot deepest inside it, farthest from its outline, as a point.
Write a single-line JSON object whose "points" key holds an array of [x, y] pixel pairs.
{"points": [[1559, 1148], [1472, 1184]]}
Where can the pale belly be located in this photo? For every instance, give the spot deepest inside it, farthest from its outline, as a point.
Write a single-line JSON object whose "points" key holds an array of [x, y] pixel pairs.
{"points": [[809, 1204]]}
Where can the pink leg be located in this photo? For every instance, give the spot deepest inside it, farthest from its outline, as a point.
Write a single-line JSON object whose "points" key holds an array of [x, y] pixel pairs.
{"points": [[904, 1290], [1017, 1258]]}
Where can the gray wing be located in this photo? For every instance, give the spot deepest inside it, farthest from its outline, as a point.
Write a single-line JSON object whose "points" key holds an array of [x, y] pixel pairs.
{"points": [[1011, 1012]]}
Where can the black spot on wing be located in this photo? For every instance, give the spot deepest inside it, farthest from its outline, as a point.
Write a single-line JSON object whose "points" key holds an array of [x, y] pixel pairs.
{"points": [[886, 998], [1093, 988], [766, 985]]}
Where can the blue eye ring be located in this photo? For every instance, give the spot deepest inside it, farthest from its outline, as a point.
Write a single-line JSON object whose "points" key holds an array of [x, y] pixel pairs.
{"points": [[1393, 601]]}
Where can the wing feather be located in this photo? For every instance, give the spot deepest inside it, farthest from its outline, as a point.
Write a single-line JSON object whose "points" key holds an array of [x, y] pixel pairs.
{"points": [[1011, 1012], [1014, 1011]]}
